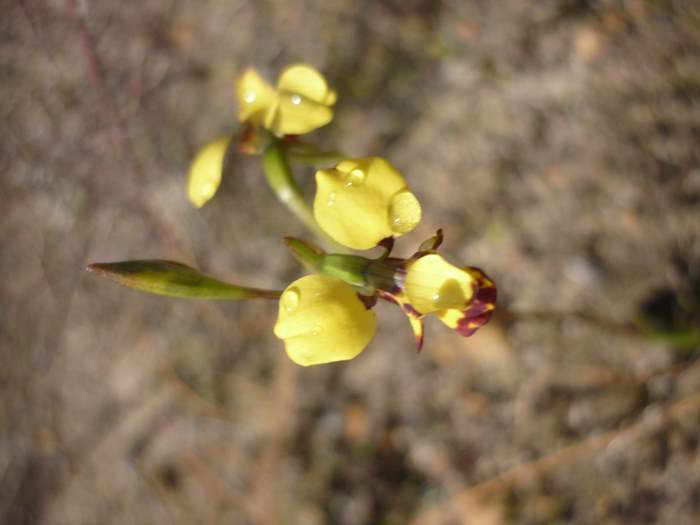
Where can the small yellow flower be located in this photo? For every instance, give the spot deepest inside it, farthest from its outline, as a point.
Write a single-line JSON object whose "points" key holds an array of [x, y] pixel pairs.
{"points": [[301, 102], [321, 319], [462, 298], [362, 201], [205, 171]]}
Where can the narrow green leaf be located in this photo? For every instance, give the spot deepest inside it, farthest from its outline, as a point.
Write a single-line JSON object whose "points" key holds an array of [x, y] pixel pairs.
{"points": [[175, 280]]}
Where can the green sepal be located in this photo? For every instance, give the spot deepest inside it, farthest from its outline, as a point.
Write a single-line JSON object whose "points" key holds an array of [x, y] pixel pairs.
{"points": [[365, 275], [308, 254], [349, 268], [175, 279]]}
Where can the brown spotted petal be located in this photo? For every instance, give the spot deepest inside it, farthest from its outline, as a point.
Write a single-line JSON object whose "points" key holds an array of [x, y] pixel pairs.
{"points": [[479, 310]]}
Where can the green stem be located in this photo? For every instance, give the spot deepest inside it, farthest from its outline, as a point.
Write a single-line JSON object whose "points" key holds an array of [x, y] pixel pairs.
{"points": [[281, 179], [307, 154]]}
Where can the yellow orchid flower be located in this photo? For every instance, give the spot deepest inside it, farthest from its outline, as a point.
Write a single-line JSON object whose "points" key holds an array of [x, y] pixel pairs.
{"points": [[321, 320], [362, 201], [462, 298], [300, 103]]}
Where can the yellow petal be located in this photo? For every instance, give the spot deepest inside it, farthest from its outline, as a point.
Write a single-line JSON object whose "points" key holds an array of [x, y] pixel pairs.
{"points": [[362, 201], [306, 81], [205, 171], [322, 320], [450, 317], [417, 327], [432, 284], [254, 96], [297, 114], [304, 102], [331, 97]]}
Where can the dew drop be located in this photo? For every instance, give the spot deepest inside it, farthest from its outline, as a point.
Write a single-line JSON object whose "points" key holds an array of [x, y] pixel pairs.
{"points": [[331, 198], [249, 97], [355, 177], [296, 99], [404, 212], [316, 330], [290, 299]]}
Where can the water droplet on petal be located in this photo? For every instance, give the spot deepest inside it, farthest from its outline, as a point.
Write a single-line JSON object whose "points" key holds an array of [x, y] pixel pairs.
{"points": [[290, 299], [316, 330], [249, 97], [355, 177], [331, 198], [404, 212], [296, 99]]}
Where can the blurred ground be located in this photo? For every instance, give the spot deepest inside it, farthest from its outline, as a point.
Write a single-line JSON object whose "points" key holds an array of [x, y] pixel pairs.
{"points": [[556, 142]]}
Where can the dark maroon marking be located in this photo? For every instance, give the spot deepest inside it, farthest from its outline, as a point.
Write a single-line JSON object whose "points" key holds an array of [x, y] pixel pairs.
{"points": [[368, 300], [431, 244], [410, 310], [467, 326], [387, 296], [247, 138], [480, 310], [438, 238], [290, 139], [388, 244]]}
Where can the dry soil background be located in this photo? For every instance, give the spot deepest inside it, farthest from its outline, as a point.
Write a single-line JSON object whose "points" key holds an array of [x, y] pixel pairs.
{"points": [[555, 141]]}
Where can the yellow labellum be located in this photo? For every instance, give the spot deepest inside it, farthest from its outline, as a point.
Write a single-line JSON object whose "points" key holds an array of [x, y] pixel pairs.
{"points": [[205, 171], [362, 201], [434, 285], [321, 320]]}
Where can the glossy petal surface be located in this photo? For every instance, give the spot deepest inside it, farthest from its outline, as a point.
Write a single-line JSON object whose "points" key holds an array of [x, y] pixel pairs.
{"points": [[362, 201], [255, 97], [322, 320], [307, 82], [304, 101], [295, 115], [432, 284], [205, 171]]}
